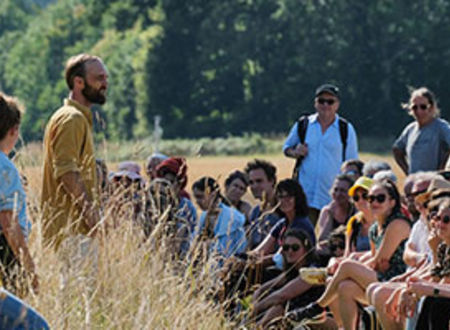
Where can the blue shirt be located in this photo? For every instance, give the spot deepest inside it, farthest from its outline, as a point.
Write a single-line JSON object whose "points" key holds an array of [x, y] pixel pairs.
{"points": [[259, 228], [187, 211], [324, 158], [12, 195], [302, 223], [229, 231]]}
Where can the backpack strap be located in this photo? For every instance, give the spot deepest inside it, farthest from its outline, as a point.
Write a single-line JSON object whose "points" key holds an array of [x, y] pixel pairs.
{"points": [[302, 126], [343, 132]]}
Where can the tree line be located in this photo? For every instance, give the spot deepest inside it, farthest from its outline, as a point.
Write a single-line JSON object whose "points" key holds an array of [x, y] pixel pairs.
{"points": [[212, 68]]}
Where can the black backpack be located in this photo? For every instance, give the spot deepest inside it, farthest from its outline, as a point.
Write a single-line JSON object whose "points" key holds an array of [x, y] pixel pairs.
{"points": [[302, 126]]}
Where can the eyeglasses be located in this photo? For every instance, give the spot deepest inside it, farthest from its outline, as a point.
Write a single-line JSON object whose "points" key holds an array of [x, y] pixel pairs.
{"points": [[445, 219], [415, 107], [294, 247], [380, 198], [357, 197], [321, 100]]}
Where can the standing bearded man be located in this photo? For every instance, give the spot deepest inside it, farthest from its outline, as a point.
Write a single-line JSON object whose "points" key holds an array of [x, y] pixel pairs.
{"points": [[69, 193]]}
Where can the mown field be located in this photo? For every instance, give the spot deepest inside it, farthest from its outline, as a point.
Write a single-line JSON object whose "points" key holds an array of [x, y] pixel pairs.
{"points": [[127, 283]]}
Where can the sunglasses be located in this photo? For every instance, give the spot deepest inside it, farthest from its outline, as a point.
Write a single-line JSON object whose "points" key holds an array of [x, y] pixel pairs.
{"points": [[334, 247], [357, 197], [321, 100], [380, 198], [445, 219], [280, 197], [294, 247], [415, 107]]}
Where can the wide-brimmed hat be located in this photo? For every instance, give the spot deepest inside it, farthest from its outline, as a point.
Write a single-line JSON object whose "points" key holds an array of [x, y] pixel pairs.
{"points": [[362, 182], [128, 169], [435, 184]]}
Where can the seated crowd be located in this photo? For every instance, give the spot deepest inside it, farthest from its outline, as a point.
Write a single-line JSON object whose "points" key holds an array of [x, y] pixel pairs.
{"points": [[374, 251], [374, 257]]}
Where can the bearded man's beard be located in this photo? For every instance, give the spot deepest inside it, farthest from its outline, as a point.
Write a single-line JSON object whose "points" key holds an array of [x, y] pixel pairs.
{"points": [[93, 95]]}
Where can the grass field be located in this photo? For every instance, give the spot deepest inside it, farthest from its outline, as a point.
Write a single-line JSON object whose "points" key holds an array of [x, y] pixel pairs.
{"points": [[128, 284]]}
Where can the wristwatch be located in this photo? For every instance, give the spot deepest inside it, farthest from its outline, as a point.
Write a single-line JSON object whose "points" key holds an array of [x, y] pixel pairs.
{"points": [[436, 292]]}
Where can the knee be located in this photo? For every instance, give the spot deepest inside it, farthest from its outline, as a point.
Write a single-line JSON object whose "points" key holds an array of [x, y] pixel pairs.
{"points": [[370, 292], [346, 289], [380, 296]]}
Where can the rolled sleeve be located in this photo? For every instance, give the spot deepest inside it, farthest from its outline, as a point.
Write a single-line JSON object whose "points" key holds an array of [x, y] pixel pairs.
{"points": [[292, 140], [67, 146]]}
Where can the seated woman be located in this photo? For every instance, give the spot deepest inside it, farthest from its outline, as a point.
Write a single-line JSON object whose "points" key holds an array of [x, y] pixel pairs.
{"points": [[404, 297], [357, 235], [334, 214], [292, 204], [287, 290], [219, 224], [388, 236], [235, 187]]}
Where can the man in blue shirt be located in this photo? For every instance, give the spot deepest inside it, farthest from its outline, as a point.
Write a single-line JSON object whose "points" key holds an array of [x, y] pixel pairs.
{"points": [[322, 151]]}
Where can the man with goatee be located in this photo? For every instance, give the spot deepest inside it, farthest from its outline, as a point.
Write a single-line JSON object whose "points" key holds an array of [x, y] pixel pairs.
{"points": [[69, 193]]}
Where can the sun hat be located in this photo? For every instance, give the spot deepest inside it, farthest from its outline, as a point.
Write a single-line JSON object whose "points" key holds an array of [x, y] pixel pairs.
{"points": [[435, 184], [362, 182], [128, 169]]}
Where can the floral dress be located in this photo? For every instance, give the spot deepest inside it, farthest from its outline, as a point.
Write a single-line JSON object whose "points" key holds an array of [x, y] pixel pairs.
{"points": [[442, 267]]}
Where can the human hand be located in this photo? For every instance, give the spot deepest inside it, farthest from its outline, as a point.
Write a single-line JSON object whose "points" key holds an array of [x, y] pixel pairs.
{"points": [[391, 304], [433, 240], [301, 150], [333, 264], [407, 304], [418, 287]]}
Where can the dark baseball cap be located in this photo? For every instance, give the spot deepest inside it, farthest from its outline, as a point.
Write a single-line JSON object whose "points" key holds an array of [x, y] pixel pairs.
{"points": [[328, 88]]}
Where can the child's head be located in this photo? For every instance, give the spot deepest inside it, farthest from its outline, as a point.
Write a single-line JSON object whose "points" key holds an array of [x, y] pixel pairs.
{"points": [[337, 242], [10, 114]]}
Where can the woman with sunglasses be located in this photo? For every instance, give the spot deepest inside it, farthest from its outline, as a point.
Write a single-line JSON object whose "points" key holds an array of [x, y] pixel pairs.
{"points": [[292, 204], [387, 238], [425, 143], [271, 298], [357, 235], [429, 294]]}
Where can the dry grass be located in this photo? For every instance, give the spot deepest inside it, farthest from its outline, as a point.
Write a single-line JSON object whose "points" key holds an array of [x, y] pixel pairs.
{"points": [[126, 283]]}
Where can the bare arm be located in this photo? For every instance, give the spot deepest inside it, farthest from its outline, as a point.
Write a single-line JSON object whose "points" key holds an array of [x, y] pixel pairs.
{"points": [[411, 257], [74, 186], [324, 230], [16, 240], [396, 232], [289, 291], [266, 246], [400, 158]]}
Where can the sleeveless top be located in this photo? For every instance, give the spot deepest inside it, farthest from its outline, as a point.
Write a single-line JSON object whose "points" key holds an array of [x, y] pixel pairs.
{"points": [[396, 263], [354, 229]]}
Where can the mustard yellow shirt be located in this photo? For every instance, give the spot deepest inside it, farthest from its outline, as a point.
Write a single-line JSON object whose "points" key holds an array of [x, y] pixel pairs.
{"points": [[68, 147]]}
